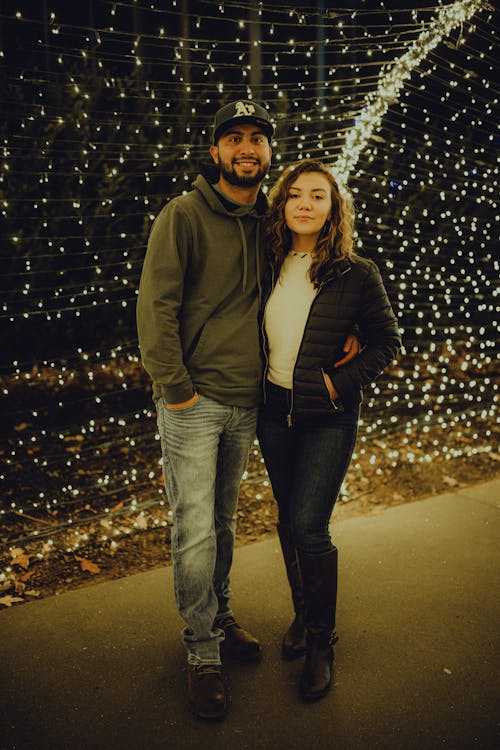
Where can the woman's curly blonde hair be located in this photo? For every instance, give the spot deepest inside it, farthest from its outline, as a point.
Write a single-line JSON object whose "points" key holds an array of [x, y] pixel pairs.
{"points": [[335, 242]]}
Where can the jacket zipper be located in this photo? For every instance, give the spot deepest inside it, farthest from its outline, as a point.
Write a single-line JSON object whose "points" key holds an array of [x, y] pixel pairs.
{"points": [[319, 289], [264, 339], [334, 405], [289, 415]]}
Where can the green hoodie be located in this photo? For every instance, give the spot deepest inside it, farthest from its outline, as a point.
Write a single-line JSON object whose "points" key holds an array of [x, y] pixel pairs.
{"points": [[198, 299]]}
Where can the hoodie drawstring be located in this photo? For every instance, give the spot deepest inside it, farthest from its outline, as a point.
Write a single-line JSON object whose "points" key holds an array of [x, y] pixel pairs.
{"points": [[257, 260], [245, 252]]}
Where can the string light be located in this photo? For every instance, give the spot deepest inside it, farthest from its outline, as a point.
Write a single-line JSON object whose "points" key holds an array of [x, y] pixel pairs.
{"points": [[392, 81], [113, 121]]}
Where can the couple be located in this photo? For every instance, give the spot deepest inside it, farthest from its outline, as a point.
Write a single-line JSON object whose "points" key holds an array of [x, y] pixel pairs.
{"points": [[232, 284]]}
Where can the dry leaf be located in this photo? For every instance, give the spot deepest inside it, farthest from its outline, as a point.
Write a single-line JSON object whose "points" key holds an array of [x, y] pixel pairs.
{"points": [[9, 600], [141, 523], [450, 481], [118, 506], [19, 557], [87, 565]]}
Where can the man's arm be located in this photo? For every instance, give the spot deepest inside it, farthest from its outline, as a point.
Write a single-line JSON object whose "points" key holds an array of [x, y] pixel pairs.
{"points": [[351, 350], [379, 328], [161, 292]]}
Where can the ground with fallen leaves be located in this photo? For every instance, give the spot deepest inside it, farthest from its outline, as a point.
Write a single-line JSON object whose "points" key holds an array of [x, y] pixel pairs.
{"points": [[83, 498]]}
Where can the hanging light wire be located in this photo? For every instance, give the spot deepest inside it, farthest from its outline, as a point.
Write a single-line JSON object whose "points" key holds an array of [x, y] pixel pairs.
{"points": [[393, 80]]}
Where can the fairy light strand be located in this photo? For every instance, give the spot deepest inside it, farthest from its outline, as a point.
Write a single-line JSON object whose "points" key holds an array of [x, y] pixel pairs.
{"points": [[392, 81], [78, 416]]}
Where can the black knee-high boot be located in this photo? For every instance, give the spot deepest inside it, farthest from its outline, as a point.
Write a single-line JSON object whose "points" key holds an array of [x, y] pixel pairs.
{"points": [[319, 586], [294, 640]]}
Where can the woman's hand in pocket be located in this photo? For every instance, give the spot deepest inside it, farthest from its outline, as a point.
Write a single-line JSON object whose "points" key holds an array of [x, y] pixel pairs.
{"points": [[334, 394]]}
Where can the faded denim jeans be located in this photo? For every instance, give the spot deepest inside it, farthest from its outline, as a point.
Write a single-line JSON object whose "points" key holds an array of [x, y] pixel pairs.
{"points": [[205, 451]]}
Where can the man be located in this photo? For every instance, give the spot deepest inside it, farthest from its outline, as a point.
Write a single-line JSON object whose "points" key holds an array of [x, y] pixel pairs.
{"points": [[199, 339], [198, 334]]}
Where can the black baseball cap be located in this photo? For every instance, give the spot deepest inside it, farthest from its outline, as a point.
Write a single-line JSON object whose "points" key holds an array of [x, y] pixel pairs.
{"points": [[242, 111]]}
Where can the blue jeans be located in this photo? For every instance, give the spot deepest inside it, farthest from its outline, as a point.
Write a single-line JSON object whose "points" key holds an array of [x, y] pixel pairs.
{"points": [[205, 451], [306, 464]]}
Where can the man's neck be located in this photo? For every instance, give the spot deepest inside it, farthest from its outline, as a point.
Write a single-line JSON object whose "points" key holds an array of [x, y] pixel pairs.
{"points": [[247, 195]]}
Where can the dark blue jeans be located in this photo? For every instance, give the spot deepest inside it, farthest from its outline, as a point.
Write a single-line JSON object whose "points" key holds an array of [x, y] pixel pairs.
{"points": [[306, 464]]}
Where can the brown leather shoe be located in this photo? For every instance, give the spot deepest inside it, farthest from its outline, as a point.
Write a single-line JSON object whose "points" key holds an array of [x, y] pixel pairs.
{"points": [[205, 691], [238, 643]]}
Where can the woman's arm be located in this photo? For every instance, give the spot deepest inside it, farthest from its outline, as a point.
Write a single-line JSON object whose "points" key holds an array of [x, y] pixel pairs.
{"points": [[378, 326]]}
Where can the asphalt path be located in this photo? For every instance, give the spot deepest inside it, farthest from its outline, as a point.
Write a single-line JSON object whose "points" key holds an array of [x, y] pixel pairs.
{"points": [[417, 663]]}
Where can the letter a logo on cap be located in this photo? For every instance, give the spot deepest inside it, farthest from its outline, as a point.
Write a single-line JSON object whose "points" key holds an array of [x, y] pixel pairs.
{"points": [[243, 110]]}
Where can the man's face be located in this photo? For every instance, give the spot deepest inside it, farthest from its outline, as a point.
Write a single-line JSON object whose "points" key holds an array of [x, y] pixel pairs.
{"points": [[243, 155]]}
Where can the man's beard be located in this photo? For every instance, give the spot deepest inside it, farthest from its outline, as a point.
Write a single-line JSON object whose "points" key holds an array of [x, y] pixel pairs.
{"points": [[228, 173]]}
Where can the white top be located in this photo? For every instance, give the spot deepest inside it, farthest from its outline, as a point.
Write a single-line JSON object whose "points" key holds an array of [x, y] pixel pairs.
{"points": [[285, 316]]}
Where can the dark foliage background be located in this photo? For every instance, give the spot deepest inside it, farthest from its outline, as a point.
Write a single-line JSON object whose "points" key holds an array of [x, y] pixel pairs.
{"points": [[107, 111]]}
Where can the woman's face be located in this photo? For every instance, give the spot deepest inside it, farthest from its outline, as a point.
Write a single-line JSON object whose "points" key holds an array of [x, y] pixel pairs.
{"points": [[309, 204]]}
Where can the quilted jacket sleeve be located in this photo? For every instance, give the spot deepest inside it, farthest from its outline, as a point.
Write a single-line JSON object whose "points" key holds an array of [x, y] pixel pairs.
{"points": [[379, 331]]}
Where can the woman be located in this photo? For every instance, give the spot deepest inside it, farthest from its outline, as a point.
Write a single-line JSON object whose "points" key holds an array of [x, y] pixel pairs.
{"points": [[319, 293]]}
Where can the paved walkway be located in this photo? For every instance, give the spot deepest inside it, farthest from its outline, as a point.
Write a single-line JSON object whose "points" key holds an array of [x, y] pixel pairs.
{"points": [[102, 668]]}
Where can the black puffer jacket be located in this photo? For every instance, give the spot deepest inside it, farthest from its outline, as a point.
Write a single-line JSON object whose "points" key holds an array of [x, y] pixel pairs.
{"points": [[353, 300]]}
